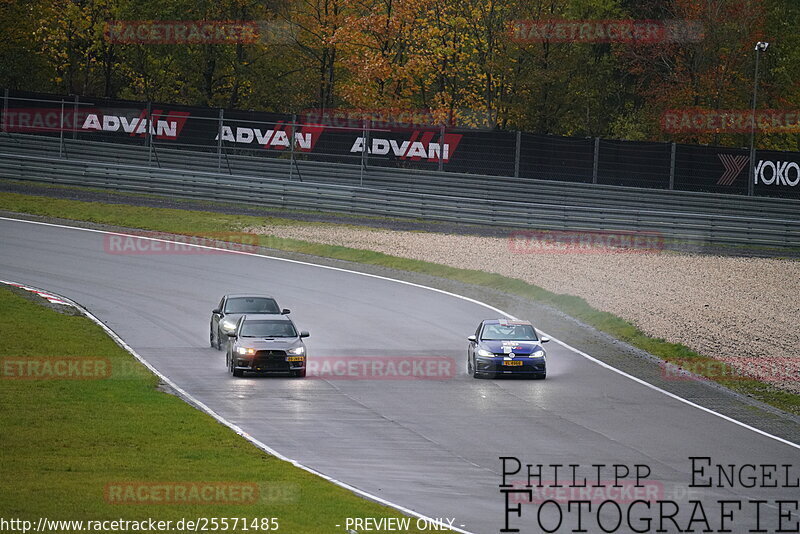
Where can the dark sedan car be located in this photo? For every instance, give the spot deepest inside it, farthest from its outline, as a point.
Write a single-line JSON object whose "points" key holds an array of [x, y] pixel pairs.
{"points": [[231, 307], [266, 343], [506, 347]]}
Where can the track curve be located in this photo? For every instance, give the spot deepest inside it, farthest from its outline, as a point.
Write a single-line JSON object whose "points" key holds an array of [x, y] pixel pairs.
{"points": [[429, 445]]}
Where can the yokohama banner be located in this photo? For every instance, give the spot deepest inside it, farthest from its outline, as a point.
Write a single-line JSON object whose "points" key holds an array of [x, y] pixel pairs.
{"points": [[727, 170]]}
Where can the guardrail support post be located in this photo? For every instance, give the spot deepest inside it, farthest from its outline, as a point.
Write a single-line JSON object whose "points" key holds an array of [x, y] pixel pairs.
{"points": [[672, 167], [5, 110], [751, 175], [219, 140], [517, 154], [596, 162], [61, 132]]}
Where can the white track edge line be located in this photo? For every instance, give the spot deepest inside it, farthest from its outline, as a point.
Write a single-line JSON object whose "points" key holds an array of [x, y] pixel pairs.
{"points": [[462, 297], [261, 445]]}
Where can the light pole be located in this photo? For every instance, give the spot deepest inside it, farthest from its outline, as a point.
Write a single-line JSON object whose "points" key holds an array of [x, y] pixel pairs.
{"points": [[760, 47]]}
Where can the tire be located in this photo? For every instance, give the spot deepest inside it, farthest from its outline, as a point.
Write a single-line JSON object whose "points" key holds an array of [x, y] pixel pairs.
{"points": [[216, 344], [541, 376], [211, 338], [300, 374], [238, 373], [472, 371]]}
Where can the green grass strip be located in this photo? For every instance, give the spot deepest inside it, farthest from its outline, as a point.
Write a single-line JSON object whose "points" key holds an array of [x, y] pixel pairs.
{"points": [[83, 448], [227, 227]]}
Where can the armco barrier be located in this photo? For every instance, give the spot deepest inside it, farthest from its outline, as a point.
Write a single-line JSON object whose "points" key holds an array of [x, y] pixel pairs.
{"points": [[462, 185], [534, 204], [468, 185]]}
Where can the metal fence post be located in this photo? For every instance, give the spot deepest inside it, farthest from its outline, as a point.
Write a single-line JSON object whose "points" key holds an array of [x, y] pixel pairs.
{"points": [[672, 167], [366, 143], [291, 146], [147, 138], [363, 150], [61, 132], [219, 140], [441, 146], [751, 175], [5, 110], [75, 119], [596, 162], [517, 154]]}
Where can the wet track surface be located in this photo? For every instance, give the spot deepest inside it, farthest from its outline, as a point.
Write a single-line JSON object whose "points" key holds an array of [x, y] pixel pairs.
{"points": [[432, 445]]}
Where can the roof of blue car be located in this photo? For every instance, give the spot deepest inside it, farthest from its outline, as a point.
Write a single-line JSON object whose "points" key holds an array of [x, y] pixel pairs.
{"points": [[506, 321]]}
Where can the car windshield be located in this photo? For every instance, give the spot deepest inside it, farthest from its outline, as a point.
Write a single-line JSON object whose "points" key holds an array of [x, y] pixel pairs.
{"points": [[251, 305], [268, 329], [517, 332]]}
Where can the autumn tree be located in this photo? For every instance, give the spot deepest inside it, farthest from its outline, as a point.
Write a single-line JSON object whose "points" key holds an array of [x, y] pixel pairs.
{"points": [[70, 37], [313, 26], [713, 72], [376, 39], [459, 58]]}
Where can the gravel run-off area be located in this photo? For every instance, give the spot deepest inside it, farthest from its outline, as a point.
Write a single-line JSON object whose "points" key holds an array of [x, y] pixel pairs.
{"points": [[742, 311]]}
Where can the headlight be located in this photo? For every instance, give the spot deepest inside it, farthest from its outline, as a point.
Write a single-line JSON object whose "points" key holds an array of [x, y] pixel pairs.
{"points": [[245, 351], [228, 326], [298, 351], [485, 353], [538, 354]]}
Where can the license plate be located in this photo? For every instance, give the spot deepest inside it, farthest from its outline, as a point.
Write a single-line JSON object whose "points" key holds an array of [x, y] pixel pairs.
{"points": [[295, 359], [512, 362]]}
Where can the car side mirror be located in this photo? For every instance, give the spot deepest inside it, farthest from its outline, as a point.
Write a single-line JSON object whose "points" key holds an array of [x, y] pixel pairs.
{"points": [[304, 333], [286, 311], [231, 334], [215, 310], [472, 338], [544, 339]]}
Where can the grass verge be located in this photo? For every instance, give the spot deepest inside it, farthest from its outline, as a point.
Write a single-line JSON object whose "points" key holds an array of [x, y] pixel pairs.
{"points": [[228, 227], [75, 449]]}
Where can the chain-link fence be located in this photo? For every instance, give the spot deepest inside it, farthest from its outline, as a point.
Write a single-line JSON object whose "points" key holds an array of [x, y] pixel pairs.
{"points": [[391, 139]]}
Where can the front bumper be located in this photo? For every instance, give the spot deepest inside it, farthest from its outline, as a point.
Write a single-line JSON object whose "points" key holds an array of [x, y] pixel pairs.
{"points": [[270, 363], [498, 366]]}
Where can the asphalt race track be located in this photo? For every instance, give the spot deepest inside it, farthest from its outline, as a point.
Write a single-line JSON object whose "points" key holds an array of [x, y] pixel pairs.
{"points": [[429, 445]]}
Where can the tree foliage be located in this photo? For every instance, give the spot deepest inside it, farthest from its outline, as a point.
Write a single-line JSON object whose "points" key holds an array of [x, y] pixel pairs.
{"points": [[457, 58]]}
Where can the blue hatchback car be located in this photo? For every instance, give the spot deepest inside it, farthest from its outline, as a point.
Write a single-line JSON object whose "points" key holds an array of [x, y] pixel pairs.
{"points": [[506, 347]]}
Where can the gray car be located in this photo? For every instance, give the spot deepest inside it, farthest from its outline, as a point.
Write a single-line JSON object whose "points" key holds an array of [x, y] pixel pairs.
{"points": [[266, 344], [231, 308]]}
